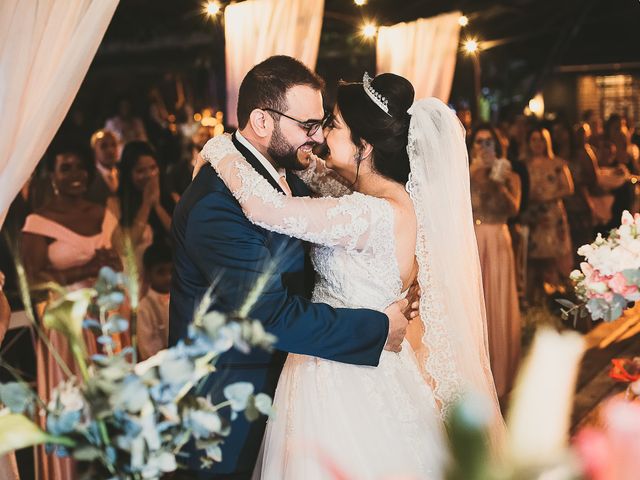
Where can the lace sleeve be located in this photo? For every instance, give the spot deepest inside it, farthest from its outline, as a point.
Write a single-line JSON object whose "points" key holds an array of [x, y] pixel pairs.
{"points": [[346, 221], [322, 180]]}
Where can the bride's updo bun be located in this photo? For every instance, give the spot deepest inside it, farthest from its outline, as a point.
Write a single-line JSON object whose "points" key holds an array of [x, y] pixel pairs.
{"points": [[387, 134]]}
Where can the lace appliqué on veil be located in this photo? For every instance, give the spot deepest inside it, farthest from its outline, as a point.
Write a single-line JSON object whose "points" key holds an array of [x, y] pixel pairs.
{"points": [[439, 361]]}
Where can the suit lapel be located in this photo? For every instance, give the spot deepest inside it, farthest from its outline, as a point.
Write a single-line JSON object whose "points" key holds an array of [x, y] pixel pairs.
{"points": [[255, 163], [297, 186]]}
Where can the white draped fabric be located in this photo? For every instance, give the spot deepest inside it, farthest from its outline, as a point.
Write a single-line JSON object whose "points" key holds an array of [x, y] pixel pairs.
{"points": [[257, 29], [423, 51], [46, 47]]}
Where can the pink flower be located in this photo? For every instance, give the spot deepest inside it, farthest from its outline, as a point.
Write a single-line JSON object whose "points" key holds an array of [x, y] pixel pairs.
{"points": [[618, 284], [593, 449], [614, 452], [587, 269]]}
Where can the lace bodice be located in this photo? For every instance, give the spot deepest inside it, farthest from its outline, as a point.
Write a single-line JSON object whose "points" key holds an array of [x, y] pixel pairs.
{"points": [[353, 235]]}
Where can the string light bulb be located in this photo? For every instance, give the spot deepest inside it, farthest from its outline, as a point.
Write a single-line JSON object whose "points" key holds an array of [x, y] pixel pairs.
{"points": [[463, 21], [369, 30], [212, 8], [471, 46], [360, 2], [536, 105]]}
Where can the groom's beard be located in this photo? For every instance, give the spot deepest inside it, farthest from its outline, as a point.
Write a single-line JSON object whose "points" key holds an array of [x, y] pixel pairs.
{"points": [[283, 153]]}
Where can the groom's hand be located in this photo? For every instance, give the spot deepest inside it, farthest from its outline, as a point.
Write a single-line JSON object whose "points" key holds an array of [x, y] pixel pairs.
{"points": [[397, 325]]}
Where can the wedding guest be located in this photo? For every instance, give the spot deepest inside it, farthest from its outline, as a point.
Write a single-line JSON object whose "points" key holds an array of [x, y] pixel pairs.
{"points": [[179, 174], [562, 140], [67, 241], [495, 196], [153, 312], [583, 165], [8, 466], [591, 118], [550, 247], [105, 181], [518, 138], [463, 112], [143, 212], [626, 196], [611, 177], [127, 126], [518, 229], [616, 131]]}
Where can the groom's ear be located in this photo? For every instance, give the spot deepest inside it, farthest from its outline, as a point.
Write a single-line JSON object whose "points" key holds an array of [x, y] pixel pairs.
{"points": [[261, 123]]}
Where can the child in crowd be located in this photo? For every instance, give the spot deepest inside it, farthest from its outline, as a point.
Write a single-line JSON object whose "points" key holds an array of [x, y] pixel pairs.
{"points": [[153, 311]]}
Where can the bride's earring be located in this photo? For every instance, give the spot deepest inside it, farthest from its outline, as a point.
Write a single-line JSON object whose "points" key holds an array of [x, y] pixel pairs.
{"points": [[56, 192]]}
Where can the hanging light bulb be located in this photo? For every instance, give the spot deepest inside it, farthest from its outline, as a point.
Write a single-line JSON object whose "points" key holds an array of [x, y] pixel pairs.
{"points": [[212, 8], [463, 21], [369, 30], [360, 2], [471, 46]]}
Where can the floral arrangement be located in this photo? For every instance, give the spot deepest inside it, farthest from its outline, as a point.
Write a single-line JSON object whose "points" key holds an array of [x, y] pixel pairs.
{"points": [[627, 370], [609, 279], [128, 420]]}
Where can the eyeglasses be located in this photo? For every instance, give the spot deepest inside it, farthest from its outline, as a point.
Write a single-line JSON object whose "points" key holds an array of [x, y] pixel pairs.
{"points": [[485, 142], [309, 126]]}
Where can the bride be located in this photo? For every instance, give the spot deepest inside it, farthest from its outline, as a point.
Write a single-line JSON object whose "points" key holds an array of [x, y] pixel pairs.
{"points": [[406, 215]]}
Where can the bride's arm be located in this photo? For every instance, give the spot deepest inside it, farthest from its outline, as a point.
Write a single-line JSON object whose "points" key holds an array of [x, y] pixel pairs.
{"points": [[322, 180], [345, 221]]}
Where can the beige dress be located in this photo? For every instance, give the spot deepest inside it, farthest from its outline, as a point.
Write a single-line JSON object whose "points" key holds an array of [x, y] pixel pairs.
{"points": [[68, 249], [550, 237], [491, 209]]}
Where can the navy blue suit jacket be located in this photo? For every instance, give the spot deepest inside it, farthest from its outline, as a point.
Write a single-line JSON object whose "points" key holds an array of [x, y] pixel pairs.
{"points": [[214, 241]]}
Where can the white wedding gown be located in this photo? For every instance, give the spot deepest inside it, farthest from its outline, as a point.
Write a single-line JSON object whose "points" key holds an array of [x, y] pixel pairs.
{"points": [[364, 422]]}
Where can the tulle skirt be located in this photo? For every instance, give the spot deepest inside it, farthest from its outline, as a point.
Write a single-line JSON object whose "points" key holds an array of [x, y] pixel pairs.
{"points": [[501, 299], [335, 419]]}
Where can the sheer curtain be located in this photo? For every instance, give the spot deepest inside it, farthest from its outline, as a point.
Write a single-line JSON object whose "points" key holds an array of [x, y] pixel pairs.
{"points": [[423, 51], [46, 47], [257, 29]]}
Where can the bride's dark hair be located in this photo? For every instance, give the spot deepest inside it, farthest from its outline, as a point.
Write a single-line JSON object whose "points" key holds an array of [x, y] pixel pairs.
{"points": [[388, 135]]}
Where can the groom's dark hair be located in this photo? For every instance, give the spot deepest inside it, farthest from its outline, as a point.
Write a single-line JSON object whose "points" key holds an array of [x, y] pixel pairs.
{"points": [[266, 85]]}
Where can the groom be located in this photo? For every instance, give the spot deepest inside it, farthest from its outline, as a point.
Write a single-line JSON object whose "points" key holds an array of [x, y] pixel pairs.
{"points": [[280, 114]]}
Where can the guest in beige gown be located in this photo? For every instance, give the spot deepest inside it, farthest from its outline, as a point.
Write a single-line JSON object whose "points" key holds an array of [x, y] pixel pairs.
{"points": [[67, 241], [495, 196], [550, 247]]}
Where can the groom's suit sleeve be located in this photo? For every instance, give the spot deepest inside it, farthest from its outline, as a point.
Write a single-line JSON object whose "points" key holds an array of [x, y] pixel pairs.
{"points": [[231, 251]]}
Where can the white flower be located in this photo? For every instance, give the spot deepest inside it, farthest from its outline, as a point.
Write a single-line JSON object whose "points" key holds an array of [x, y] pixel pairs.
{"points": [[69, 397], [576, 276], [238, 395], [597, 287]]}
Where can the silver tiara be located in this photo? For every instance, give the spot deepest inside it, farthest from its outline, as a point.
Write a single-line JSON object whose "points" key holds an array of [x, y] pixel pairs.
{"points": [[377, 97]]}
